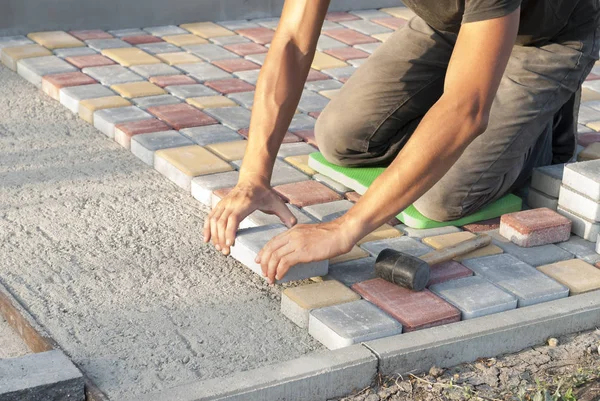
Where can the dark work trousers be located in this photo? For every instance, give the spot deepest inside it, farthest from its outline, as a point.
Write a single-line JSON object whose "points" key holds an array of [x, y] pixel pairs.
{"points": [[377, 110]]}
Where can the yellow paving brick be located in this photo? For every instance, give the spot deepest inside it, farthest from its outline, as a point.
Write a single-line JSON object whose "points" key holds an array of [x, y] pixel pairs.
{"points": [[185, 40], [324, 61], [442, 241], [588, 95], [575, 274], [193, 160], [595, 125], [330, 93], [382, 37], [178, 58], [138, 89], [89, 106], [129, 56], [207, 29], [55, 39], [355, 253], [11, 55], [399, 12], [211, 102], [383, 232], [229, 151], [301, 163]]}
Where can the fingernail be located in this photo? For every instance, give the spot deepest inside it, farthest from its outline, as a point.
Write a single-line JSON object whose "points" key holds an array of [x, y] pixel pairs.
{"points": [[228, 242], [257, 260], [218, 247], [225, 251]]}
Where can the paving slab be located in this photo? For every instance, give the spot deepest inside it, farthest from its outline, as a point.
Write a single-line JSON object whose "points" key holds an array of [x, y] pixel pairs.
{"points": [[324, 84], [106, 119], [390, 22], [355, 253], [298, 302], [232, 117], [184, 40], [577, 275], [210, 134], [521, 280], [536, 200], [548, 179], [311, 101], [534, 256], [153, 70], [112, 74], [181, 164], [251, 240], [12, 55], [401, 244], [55, 39], [165, 30], [258, 218], [228, 40], [141, 39], [301, 163], [88, 107], [203, 186], [416, 310], [341, 326], [33, 69], [145, 145], [126, 130], [159, 48], [324, 61], [349, 36], [71, 96], [103, 44], [207, 29], [584, 178], [386, 231], [336, 186], [211, 102], [581, 226], [160, 100], [169, 80], [246, 48], [90, 34], [592, 151], [582, 249], [294, 149], [348, 54], [211, 52], [369, 14], [90, 60], [181, 116], [451, 270], [306, 193], [326, 43], [445, 240], [368, 47], [342, 73], [475, 296], [353, 271], [329, 211], [245, 99], [190, 91], [231, 85], [229, 151], [14, 41], [74, 52], [236, 65], [130, 56], [366, 27], [39, 377], [204, 71], [535, 227], [260, 35], [120, 33], [428, 232], [578, 203], [177, 58], [52, 84], [138, 89]]}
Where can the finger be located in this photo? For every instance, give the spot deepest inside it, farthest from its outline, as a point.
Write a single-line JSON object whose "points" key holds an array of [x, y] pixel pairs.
{"points": [[214, 228], [222, 227], [284, 214], [232, 227], [207, 226], [285, 264], [282, 253], [275, 243]]}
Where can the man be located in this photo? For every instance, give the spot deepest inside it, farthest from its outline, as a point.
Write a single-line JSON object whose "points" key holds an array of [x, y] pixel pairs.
{"points": [[462, 104]]}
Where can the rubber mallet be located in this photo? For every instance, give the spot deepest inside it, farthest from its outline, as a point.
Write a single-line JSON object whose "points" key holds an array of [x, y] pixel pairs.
{"points": [[413, 273]]}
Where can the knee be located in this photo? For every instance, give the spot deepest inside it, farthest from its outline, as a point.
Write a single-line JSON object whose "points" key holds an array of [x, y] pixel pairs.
{"points": [[439, 205]]}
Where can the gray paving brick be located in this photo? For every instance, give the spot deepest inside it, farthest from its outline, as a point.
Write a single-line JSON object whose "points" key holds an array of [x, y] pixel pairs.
{"points": [[106, 119], [72, 95], [229, 40], [547, 179], [204, 71], [270, 23], [283, 173], [368, 47], [245, 99], [327, 25], [323, 84], [341, 72], [474, 296], [302, 121], [353, 271], [257, 58], [120, 33], [428, 232], [166, 30], [518, 278], [328, 211], [233, 117], [370, 14], [144, 145], [149, 101], [153, 70], [209, 134], [578, 203], [234, 25], [251, 240], [250, 76], [159, 48], [74, 51], [587, 114], [402, 244], [40, 377], [112, 75], [13, 41], [325, 42], [581, 248], [189, 91], [366, 27], [536, 199], [33, 69], [210, 52], [336, 186], [103, 44], [342, 325], [357, 62], [584, 178], [295, 149], [580, 226], [311, 101], [258, 218], [535, 255], [204, 185]]}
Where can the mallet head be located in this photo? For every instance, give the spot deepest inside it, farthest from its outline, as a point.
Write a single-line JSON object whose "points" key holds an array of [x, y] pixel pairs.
{"points": [[402, 269]]}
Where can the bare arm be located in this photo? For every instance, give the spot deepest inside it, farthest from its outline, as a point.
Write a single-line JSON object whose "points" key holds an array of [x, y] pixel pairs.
{"points": [[478, 62], [278, 92]]}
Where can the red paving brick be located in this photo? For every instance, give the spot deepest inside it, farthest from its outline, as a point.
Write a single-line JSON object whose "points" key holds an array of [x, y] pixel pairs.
{"points": [[306, 193], [352, 196], [314, 114], [349, 36], [344, 80], [124, 131], [340, 16], [52, 84], [91, 34], [447, 271], [228, 86], [244, 49], [181, 116], [288, 138], [592, 77], [308, 136], [92, 60], [168, 80], [535, 227], [391, 22], [235, 65], [314, 75], [347, 53], [260, 35], [484, 225], [414, 309], [585, 139], [141, 39]]}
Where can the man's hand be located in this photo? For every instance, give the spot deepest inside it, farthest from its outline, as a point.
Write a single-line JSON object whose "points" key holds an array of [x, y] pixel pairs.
{"points": [[247, 197], [303, 244]]}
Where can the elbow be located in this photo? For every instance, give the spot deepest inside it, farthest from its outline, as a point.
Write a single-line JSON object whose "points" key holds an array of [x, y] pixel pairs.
{"points": [[473, 115]]}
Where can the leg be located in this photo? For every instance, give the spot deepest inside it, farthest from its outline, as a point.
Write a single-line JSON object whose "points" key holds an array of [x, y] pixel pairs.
{"points": [[379, 107], [537, 84]]}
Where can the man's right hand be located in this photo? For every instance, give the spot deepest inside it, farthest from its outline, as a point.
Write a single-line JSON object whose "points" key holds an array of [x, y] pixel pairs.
{"points": [[246, 197]]}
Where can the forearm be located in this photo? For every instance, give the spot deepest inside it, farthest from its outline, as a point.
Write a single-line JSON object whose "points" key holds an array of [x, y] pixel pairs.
{"points": [[437, 143]]}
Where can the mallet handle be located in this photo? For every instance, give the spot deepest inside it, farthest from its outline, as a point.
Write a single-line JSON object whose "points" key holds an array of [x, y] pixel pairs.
{"points": [[449, 253]]}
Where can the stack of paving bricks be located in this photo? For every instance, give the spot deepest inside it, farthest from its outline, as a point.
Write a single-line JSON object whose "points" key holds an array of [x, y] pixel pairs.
{"points": [[179, 98]]}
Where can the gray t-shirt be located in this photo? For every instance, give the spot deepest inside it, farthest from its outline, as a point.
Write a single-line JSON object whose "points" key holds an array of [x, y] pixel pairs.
{"points": [[541, 20]]}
